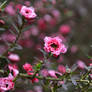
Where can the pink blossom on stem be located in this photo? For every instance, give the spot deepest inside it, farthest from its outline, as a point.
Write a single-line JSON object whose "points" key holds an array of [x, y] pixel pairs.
{"points": [[53, 73], [27, 67], [44, 72], [74, 49], [54, 45], [13, 70], [14, 57], [65, 29], [61, 69], [81, 64], [30, 71], [10, 10], [28, 12], [90, 64], [6, 84], [2, 22]]}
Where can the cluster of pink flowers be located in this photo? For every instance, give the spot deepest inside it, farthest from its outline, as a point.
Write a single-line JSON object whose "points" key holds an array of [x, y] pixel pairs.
{"points": [[28, 12], [30, 71], [54, 45], [6, 83]]}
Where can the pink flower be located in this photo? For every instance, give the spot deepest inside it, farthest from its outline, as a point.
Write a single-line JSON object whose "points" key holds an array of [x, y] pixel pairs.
{"points": [[44, 72], [90, 64], [27, 67], [81, 64], [9, 9], [30, 71], [2, 21], [56, 13], [53, 73], [42, 24], [74, 49], [8, 37], [65, 29], [13, 70], [18, 6], [27, 3], [28, 12], [35, 80], [54, 45], [61, 69], [14, 57], [6, 84]]}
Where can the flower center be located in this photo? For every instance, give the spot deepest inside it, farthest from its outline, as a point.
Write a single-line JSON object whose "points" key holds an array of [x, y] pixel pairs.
{"points": [[27, 11], [54, 45], [6, 85]]}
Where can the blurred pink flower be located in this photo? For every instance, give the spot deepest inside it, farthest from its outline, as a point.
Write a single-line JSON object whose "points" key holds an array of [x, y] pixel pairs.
{"points": [[6, 83], [44, 72], [28, 12], [90, 64], [74, 49], [30, 71], [18, 6], [2, 21], [61, 69], [81, 64], [27, 3], [53, 22], [13, 70], [27, 34], [14, 57], [26, 43], [35, 80], [47, 18], [34, 31], [64, 29], [8, 37], [42, 24], [44, 1], [54, 45], [10, 10], [53, 2], [61, 82], [56, 13], [52, 73]]}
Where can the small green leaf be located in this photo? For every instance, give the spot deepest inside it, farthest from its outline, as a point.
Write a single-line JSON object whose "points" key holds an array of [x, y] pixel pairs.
{"points": [[38, 66], [26, 28], [90, 57], [3, 5], [16, 28], [20, 22]]}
